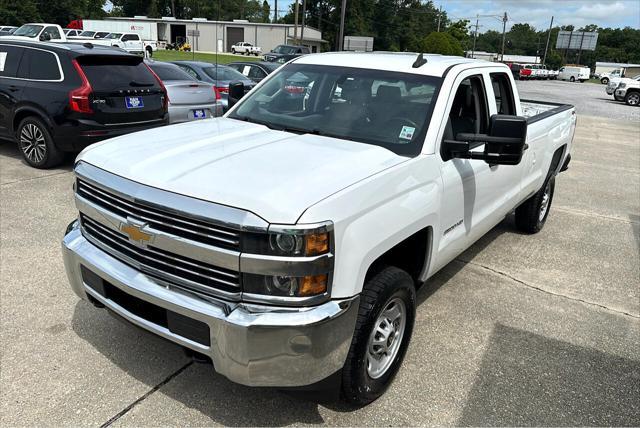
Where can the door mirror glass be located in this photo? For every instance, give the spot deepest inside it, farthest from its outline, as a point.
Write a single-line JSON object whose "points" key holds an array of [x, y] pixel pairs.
{"points": [[504, 144]]}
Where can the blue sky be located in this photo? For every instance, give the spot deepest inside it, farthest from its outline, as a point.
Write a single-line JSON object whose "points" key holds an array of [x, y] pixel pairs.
{"points": [[612, 13]]}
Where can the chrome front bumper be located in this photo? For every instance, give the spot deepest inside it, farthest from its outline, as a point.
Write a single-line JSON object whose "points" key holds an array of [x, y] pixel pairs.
{"points": [[251, 345]]}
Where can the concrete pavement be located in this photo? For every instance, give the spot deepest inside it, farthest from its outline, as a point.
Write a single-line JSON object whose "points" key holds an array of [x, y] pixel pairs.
{"points": [[520, 330]]}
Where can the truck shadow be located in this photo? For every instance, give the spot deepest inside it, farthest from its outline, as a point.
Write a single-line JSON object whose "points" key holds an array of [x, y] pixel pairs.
{"points": [[198, 387]]}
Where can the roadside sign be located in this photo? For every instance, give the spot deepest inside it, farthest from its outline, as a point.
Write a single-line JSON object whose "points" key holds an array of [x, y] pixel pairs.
{"points": [[578, 40], [193, 33]]}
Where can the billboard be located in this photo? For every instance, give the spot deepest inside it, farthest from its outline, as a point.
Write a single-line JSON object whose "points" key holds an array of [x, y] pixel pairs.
{"points": [[578, 40], [358, 44]]}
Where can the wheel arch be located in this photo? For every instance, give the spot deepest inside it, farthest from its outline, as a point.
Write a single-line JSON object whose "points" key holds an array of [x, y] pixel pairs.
{"points": [[25, 111], [412, 254]]}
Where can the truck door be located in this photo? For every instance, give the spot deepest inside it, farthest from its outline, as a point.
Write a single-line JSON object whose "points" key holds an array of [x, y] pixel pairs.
{"points": [[10, 87], [473, 199]]}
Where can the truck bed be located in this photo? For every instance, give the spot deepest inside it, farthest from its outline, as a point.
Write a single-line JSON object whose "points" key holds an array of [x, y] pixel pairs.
{"points": [[538, 110]]}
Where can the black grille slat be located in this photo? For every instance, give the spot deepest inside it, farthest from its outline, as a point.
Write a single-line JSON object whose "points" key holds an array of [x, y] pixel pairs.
{"points": [[193, 229], [161, 261]]}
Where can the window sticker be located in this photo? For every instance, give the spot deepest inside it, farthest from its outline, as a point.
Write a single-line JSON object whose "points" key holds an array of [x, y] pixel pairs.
{"points": [[407, 132], [3, 60]]}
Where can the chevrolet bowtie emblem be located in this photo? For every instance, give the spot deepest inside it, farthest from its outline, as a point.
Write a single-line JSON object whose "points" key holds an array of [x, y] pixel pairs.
{"points": [[135, 233]]}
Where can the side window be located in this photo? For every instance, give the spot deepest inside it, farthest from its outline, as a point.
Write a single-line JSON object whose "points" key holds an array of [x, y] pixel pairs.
{"points": [[469, 112], [505, 103], [10, 57], [52, 32], [125, 38], [256, 73], [40, 65], [134, 37]]}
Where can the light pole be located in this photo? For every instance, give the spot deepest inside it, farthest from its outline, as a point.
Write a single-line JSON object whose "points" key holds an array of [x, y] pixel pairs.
{"points": [[342, 14], [544, 58]]}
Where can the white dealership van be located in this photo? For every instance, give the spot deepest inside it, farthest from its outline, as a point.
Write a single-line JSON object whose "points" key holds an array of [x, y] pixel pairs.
{"points": [[574, 73]]}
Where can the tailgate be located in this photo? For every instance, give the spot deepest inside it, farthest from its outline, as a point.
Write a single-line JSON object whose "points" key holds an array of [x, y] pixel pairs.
{"points": [[124, 90]]}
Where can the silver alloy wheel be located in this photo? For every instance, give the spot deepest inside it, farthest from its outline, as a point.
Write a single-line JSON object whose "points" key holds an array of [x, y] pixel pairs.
{"points": [[33, 143], [544, 205], [633, 99], [386, 338]]}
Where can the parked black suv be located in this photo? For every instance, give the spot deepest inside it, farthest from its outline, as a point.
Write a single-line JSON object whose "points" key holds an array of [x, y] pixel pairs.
{"points": [[61, 97], [283, 53]]}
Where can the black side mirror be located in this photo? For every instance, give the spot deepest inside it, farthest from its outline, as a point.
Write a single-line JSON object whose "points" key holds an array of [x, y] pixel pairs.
{"points": [[236, 91], [45, 37], [504, 145]]}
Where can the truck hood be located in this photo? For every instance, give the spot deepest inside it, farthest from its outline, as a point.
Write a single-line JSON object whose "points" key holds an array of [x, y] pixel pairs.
{"points": [[276, 175]]}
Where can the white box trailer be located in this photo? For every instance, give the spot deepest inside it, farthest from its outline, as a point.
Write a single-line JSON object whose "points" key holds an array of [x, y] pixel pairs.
{"points": [[146, 30]]}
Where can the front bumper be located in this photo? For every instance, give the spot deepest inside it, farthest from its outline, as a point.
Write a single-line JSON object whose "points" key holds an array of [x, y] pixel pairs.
{"points": [[610, 90], [184, 113], [251, 345], [620, 93]]}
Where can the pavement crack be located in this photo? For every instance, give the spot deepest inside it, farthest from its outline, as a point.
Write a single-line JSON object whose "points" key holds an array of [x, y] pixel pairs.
{"points": [[36, 178], [594, 215], [146, 395], [534, 287]]}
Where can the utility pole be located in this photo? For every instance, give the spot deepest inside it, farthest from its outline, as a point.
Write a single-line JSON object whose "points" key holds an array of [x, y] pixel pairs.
{"points": [[343, 11], [504, 29], [475, 36], [304, 11], [544, 58], [275, 12], [295, 25], [439, 15]]}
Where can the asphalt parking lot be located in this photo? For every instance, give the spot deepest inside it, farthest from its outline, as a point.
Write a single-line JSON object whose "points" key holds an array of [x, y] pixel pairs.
{"points": [[519, 330]]}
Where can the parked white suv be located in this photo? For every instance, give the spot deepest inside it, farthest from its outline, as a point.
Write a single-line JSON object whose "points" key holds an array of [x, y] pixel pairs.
{"points": [[286, 240]]}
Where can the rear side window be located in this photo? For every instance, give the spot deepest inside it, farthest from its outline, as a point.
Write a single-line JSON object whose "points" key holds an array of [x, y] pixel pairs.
{"points": [[39, 65], [166, 72], [10, 57], [52, 32], [505, 103], [107, 73]]}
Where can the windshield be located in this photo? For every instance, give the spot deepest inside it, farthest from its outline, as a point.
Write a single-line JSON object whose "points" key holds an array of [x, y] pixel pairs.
{"points": [[283, 49], [28, 30], [170, 72], [382, 108], [224, 73], [113, 36]]}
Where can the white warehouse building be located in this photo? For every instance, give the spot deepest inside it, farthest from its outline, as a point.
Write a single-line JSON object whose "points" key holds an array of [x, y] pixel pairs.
{"points": [[214, 36]]}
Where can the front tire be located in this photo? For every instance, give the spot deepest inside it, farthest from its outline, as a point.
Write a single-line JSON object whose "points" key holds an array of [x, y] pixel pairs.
{"points": [[36, 144], [632, 99], [604, 81], [382, 334], [532, 214], [572, 79]]}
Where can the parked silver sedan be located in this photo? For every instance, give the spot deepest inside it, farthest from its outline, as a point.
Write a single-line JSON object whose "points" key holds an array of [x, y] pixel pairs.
{"points": [[189, 99]]}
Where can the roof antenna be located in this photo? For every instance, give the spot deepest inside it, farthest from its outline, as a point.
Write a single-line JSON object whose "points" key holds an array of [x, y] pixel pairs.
{"points": [[420, 61]]}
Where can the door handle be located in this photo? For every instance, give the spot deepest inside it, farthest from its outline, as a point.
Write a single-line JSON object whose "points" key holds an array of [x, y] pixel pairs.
{"points": [[13, 88]]}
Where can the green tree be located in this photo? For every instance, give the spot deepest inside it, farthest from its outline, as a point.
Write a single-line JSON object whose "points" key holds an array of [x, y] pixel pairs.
{"points": [[266, 11], [441, 43]]}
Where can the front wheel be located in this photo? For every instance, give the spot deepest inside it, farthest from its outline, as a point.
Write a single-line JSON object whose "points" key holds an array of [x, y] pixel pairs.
{"points": [[604, 80], [383, 330], [632, 98], [572, 79], [532, 214], [36, 145]]}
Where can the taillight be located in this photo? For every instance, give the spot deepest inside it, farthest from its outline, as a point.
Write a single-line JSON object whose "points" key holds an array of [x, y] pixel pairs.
{"points": [[223, 90], [165, 100], [217, 92], [79, 97]]}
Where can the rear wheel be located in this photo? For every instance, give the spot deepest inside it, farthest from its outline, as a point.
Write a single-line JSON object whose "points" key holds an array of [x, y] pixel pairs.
{"points": [[604, 80], [382, 334], [36, 144], [632, 98], [532, 215]]}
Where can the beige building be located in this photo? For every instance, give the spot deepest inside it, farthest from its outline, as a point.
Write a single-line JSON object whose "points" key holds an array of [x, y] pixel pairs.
{"points": [[219, 36]]}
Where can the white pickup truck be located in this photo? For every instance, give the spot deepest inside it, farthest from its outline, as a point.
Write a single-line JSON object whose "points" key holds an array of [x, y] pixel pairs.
{"points": [[38, 32], [130, 42], [286, 240], [246, 48]]}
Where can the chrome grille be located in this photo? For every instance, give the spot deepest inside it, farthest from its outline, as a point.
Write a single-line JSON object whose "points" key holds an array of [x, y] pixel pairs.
{"points": [[159, 219], [177, 269]]}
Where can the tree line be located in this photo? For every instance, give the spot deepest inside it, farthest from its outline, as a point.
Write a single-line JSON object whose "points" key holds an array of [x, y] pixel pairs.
{"points": [[396, 25]]}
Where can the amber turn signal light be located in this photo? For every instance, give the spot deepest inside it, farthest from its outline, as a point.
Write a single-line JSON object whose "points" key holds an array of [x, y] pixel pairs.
{"points": [[313, 285], [316, 243]]}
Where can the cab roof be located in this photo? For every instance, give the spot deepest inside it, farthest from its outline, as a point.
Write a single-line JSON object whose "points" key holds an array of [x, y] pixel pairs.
{"points": [[74, 47], [436, 65]]}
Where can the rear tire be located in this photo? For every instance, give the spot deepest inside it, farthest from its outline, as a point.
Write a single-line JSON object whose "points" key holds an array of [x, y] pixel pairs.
{"points": [[604, 81], [36, 144], [532, 214], [383, 330]]}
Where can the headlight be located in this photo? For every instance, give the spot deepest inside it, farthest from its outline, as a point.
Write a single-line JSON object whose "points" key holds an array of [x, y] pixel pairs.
{"points": [[293, 261]]}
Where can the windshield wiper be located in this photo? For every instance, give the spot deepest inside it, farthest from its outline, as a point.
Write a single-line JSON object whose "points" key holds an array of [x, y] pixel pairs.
{"points": [[257, 122], [139, 84]]}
